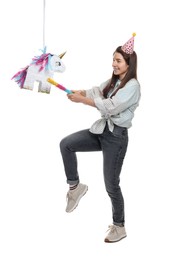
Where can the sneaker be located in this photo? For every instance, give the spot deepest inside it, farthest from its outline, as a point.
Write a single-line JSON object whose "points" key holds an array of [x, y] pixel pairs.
{"points": [[115, 233], [74, 196]]}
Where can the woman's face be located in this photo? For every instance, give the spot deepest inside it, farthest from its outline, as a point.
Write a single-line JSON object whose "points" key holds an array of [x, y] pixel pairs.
{"points": [[119, 65]]}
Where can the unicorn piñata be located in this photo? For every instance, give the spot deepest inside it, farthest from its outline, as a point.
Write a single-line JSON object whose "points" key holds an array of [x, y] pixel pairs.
{"points": [[40, 69]]}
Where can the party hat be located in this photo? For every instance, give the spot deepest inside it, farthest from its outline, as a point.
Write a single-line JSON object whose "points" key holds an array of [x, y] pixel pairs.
{"points": [[128, 47]]}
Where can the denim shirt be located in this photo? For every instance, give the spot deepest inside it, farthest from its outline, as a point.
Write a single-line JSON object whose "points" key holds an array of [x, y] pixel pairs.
{"points": [[116, 110]]}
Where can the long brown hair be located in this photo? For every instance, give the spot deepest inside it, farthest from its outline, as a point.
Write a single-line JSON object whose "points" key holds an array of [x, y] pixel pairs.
{"points": [[131, 60]]}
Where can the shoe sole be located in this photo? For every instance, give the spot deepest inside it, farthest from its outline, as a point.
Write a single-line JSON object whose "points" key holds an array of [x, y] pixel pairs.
{"points": [[108, 241], [78, 200]]}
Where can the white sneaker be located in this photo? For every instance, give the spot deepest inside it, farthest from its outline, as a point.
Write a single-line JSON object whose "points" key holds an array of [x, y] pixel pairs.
{"points": [[74, 196], [115, 233]]}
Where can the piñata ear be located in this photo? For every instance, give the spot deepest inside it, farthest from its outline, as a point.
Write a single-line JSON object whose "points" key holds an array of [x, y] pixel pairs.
{"points": [[62, 55]]}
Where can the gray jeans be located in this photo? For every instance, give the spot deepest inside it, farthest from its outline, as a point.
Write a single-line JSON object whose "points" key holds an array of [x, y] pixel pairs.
{"points": [[113, 146]]}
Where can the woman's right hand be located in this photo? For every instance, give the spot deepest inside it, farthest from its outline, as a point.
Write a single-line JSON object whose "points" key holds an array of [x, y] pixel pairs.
{"points": [[81, 92]]}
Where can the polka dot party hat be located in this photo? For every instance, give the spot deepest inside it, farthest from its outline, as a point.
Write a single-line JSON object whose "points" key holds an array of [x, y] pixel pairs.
{"points": [[128, 47]]}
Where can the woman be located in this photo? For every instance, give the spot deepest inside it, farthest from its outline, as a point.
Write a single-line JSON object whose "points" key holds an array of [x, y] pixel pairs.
{"points": [[116, 99]]}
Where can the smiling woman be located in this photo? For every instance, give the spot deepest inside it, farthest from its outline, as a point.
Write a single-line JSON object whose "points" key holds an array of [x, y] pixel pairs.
{"points": [[154, 178], [116, 99]]}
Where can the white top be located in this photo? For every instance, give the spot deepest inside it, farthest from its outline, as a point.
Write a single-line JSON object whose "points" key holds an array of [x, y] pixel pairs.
{"points": [[119, 109]]}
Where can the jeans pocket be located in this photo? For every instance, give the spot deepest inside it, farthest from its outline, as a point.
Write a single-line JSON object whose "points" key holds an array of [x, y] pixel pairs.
{"points": [[119, 131]]}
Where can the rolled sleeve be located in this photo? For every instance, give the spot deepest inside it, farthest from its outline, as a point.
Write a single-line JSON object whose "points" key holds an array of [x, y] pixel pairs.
{"points": [[94, 92], [99, 103]]}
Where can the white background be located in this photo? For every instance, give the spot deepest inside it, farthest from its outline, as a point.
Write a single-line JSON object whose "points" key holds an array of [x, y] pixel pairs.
{"points": [[154, 180]]}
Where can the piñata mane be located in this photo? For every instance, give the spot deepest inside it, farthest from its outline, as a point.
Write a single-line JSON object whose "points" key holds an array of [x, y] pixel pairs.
{"points": [[43, 61]]}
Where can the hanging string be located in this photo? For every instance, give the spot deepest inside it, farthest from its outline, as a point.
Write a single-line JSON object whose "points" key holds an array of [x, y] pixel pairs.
{"points": [[44, 5]]}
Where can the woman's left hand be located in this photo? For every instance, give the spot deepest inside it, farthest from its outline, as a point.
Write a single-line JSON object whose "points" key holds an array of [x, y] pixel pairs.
{"points": [[76, 97]]}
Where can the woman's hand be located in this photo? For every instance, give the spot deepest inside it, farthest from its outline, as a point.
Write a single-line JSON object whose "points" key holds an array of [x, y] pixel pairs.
{"points": [[81, 92], [76, 97], [79, 96]]}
